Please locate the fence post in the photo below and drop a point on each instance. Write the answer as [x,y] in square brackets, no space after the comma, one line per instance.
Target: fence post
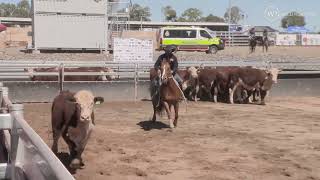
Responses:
[1,94]
[135,82]
[16,111]
[61,77]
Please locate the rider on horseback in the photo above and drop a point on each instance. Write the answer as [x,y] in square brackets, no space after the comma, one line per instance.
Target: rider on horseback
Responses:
[265,35]
[173,64]
[252,33]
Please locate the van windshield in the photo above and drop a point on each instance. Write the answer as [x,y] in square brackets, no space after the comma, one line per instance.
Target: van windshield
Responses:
[205,34]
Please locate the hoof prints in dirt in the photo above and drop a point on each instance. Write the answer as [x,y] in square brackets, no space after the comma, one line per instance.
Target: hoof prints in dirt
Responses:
[129,170]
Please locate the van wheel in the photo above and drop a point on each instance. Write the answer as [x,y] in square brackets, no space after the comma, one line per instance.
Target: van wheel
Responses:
[212,50]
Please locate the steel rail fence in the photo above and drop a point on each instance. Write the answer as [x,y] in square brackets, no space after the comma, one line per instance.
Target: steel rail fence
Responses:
[126,72]
[28,155]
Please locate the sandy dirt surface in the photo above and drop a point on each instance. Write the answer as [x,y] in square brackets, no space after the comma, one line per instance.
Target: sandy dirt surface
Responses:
[276,54]
[213,141]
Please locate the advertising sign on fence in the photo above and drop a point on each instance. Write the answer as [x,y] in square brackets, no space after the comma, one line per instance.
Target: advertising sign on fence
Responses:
[134,50]
[311,39]
[286,39]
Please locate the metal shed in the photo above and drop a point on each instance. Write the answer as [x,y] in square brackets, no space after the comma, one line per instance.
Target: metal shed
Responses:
[69,24]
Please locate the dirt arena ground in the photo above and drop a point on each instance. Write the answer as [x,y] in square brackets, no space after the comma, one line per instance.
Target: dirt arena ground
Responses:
[213,141]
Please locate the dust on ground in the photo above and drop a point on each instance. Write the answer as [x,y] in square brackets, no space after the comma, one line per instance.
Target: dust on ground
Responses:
[213,141]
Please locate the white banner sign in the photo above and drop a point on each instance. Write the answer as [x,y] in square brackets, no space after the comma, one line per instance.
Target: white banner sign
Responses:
[131,49]
[311,39]
[286,39]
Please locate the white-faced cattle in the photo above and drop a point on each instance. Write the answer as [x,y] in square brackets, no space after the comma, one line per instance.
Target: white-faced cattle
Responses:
[189,81]
[251,80]
[72,118]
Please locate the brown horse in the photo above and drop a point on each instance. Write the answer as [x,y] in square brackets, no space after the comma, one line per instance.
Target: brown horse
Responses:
[167,96]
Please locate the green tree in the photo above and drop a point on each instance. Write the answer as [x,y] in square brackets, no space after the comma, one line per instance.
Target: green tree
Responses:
[191,15]
[169,13]
[138,12]
[293,19]
[212,18]
[22,9]
[7,9]
[236,15]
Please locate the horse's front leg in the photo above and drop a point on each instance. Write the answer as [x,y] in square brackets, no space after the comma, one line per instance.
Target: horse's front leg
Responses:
[176,113]
[167,106]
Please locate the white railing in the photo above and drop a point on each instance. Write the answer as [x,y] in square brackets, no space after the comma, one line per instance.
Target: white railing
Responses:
[28,155]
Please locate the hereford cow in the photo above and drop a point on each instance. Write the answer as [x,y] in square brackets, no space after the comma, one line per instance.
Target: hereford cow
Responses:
[206,82]
[251,80]
[189,84]
[72,78]
[73,118]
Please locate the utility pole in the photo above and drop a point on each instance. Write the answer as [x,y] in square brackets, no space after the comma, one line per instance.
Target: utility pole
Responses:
[229,22]
[141,23]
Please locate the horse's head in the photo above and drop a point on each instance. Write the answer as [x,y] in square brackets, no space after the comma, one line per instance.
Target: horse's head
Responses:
[165,71]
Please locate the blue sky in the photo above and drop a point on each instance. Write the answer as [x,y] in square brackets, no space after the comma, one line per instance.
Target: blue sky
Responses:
[258,11]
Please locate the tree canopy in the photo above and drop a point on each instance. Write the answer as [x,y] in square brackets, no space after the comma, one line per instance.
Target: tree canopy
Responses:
[191,15]
[138,12]
[212,18]
[169,13]
[293,19]
[236,15]
[22,9]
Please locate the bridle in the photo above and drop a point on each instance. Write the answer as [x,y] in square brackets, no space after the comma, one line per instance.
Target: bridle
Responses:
[163,73]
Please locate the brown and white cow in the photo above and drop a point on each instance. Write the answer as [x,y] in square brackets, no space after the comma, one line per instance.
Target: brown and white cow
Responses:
[72,117]
[189,84]
[251,80]
[207,83]
[101,77]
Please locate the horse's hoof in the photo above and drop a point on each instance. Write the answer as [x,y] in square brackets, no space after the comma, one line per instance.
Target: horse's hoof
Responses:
[76,164]
[263,104]
[171,126]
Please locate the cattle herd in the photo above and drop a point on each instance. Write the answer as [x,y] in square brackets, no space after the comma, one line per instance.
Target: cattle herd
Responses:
[73,113]
[228,84]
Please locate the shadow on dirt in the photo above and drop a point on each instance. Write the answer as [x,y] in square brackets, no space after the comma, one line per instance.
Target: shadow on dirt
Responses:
[66,161]
[149,125]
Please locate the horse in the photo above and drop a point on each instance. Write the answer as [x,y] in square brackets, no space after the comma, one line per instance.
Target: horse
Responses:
[265,43]
[167,96]
[255,40]
[253,43]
